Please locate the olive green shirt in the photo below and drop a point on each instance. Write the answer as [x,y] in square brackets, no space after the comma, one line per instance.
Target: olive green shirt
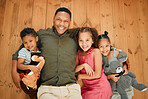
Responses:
[60,57]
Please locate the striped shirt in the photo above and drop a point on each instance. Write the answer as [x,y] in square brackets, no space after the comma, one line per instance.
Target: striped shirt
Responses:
[25,54]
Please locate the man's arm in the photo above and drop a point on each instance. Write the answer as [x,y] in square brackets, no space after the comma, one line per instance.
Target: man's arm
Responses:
[15,55]
[15,75]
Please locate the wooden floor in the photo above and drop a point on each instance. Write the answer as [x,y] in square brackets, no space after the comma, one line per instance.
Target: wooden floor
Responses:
[125,20]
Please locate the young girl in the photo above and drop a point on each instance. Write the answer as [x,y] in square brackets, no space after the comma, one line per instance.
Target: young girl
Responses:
[29,39]
[104,45]
[89,63]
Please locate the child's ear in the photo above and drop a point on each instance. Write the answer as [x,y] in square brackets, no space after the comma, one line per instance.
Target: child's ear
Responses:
[122,57]
[37,38]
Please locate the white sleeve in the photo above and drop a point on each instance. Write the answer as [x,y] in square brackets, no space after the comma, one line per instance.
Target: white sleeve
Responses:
[22,53]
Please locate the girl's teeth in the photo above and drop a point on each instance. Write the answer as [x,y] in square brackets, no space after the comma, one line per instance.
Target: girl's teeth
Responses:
[84,46]
[61,27]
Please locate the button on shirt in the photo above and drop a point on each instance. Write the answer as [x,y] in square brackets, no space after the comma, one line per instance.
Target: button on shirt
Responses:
[60,58]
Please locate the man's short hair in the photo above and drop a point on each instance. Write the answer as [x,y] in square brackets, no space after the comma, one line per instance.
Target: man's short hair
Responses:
[63,9]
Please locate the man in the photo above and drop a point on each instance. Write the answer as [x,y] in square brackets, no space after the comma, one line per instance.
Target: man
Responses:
[58,79]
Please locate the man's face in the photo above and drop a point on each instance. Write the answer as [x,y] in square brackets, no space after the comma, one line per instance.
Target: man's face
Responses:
[61,22]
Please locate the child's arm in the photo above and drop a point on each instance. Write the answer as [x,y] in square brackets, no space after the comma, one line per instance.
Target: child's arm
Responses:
[125,68]
[78,67]
[126,64]
[80,82]
[21,66]
[88,69]
[98,67]
[115,79]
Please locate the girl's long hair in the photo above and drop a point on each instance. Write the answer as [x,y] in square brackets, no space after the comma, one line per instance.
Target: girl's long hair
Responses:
[93,32]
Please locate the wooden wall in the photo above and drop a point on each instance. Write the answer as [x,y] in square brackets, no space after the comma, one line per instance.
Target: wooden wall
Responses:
[125,20]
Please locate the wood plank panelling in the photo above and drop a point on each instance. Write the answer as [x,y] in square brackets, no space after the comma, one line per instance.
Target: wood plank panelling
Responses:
[10,23]
[2,11]
[93,14]
[125,20]
[106,17]
[52,5]
[142,6]
[39,14]
[79,13]
[24,20]
[119,25]
[134,46]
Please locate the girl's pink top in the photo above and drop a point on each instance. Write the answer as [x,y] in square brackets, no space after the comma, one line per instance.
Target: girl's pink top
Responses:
[94,88]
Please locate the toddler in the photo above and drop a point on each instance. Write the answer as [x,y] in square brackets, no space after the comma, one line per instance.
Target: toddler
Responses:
[29,39]
[104,45]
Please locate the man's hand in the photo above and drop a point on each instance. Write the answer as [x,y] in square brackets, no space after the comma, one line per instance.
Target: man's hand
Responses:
[16,79]
[15,75]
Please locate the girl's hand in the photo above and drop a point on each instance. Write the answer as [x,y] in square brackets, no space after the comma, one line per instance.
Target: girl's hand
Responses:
[80,82]
[112,77]
[88,69]
[126,71]
[35,69]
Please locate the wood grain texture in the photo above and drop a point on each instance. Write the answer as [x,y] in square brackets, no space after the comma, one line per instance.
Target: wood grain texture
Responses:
[79,13]
[119,25]
[52,5]
[125,20]
[134,42]
[106,17]
[39,14]
[93,15]
[142,6]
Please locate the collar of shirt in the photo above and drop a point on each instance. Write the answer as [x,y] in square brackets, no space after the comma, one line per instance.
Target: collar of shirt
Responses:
[55,31]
